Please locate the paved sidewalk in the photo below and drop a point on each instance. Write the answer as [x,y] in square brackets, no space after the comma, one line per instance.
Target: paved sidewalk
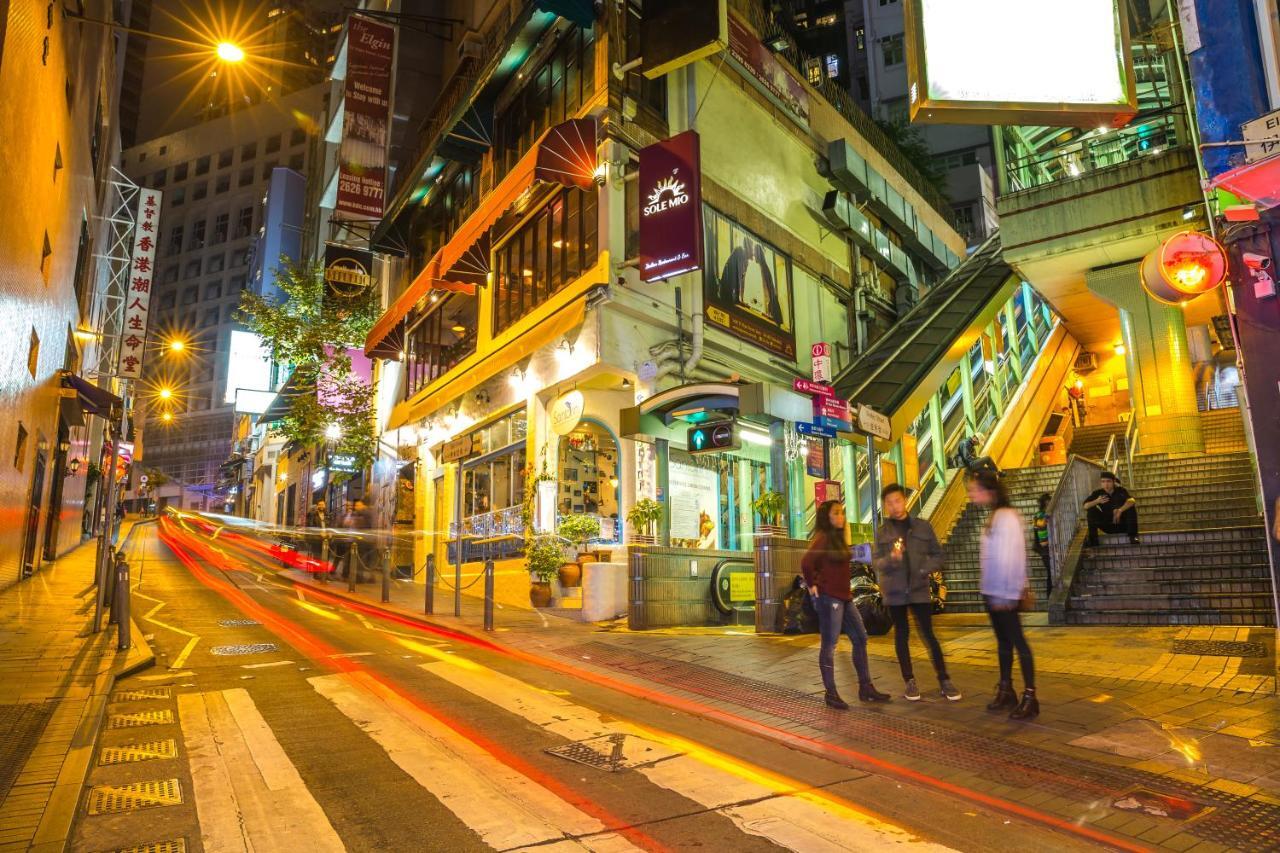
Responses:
[54,682]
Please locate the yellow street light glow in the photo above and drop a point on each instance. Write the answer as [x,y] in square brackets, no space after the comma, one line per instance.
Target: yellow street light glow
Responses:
[333,432]
[167,417]
[166,393]
[177,345]
[229,52]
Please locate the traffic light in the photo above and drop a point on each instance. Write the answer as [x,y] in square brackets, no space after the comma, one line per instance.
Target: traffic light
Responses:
[713,438]
[1183,267]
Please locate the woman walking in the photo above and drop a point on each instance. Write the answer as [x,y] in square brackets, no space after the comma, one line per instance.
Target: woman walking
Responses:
[1003,557]
[826,575]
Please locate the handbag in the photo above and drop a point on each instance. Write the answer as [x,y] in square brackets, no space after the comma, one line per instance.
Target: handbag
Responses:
[1027,602]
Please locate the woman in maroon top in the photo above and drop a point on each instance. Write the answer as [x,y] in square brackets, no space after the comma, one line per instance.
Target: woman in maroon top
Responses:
[826,575]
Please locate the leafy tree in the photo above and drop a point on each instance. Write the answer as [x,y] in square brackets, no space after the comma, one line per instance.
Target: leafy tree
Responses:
[312,328]
[914,148]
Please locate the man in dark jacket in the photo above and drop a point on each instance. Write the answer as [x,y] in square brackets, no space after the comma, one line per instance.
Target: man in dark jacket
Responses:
[907,552]
[1111,509]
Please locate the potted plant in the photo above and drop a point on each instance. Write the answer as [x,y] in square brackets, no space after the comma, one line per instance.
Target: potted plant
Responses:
[770,506]
[643,515]
[544,557]
[579,529]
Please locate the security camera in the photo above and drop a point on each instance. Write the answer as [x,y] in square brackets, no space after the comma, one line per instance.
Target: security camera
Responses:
[1257,262]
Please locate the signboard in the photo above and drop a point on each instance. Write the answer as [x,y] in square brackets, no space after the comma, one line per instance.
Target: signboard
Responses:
[124,458]
[713,438]
[742,586]
[1189,22]
[828,490]
[747,287]
[566,412]
[815,430]
[674,33]
[249,365]
[1264,134]
[459,448]
[815,459]
[1026,64]
[872,422]
[832,423]
[348,271]
[137,297]
[343,463]
[695,498]
[821,354]
[362,157]
[831,407]
[770,76]
[804,386]
[670,207]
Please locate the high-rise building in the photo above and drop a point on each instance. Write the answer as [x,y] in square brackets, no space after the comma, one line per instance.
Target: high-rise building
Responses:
[215,175]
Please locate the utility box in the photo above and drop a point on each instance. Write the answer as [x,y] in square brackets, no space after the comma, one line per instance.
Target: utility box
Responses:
[1056,439]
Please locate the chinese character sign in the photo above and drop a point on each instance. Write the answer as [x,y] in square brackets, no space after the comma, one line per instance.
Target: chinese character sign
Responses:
[137,297]
[362,159]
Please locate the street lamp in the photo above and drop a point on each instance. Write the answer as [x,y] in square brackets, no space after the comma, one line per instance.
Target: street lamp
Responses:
[333,432]
[166,393]
[229,52]
[225,51]
[177,345]
[167,417]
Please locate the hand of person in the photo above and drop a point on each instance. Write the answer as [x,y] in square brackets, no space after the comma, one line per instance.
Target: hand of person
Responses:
[1115,516]
[813,590]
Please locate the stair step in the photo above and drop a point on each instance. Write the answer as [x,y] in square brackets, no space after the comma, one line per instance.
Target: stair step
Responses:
[1156,616]
[1198,587]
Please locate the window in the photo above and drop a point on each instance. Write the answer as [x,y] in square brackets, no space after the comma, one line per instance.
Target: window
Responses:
[170,274]
[892,50]
[833,65]
[209,318]
[544,255]
[246,176]
[273,144]
[215,263]
[197,235]
[164,149]
[267,168]
[175,240]
[177,197]
[199,191]
[238,282]
[33,353]
[244,222]
[157,180]
[223,184]
[297,136]
[20,448]
[167,300]
[193,269]
[220,226]
[826,20]
[239,258]
[202,165]
[180,172]
[248,151]
[224,158]
[888,2]
[895,111]
[213,290]
[297,162]
[81,279]
[864,88]
[860,38]
[813,71]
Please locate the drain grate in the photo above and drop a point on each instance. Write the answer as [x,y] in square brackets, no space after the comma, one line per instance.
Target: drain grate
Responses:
[142,693]
[130,752]
[246,649]
[612,752]
[20,730]
[173,845]
[238,623]
[1219,648]
[113,799]
[140,718]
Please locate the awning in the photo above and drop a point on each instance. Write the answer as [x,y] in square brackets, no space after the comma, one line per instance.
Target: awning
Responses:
[283,400]
[86,398]
[1258,182]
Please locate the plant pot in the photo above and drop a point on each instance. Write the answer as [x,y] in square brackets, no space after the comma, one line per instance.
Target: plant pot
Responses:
[571,575]
[771,530]
[540,593]
[640,539]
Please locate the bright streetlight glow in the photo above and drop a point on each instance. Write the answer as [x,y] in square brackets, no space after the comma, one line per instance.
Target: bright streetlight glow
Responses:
[166,393]
[177,345]
[167,417]
[333,432]
[229,52]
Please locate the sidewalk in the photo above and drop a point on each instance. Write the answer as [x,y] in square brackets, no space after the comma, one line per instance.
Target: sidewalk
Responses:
[54,681]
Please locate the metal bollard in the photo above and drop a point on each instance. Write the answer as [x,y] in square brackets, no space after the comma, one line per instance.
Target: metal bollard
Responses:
[121,604]
[324,556]
[352,567]
[112,601]
[429,607]
[386,575]
[488,595]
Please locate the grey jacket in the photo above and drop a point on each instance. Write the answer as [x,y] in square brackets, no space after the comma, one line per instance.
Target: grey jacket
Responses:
[925,556]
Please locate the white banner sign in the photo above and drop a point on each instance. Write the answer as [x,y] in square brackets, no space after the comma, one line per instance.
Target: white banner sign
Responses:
[137,297]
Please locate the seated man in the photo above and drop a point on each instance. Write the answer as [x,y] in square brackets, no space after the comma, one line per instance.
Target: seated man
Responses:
[1112,510]
[967,452]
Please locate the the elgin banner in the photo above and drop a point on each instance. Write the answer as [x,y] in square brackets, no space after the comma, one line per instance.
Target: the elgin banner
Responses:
[362,166]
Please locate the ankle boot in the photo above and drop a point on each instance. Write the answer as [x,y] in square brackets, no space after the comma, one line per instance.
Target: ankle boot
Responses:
[1028,708]
[868,693]
[833,700]
[1005,697]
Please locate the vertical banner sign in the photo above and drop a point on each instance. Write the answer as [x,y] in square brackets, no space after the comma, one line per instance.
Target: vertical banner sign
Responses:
[670,207]
[362,158]
[137,298]
[821,353]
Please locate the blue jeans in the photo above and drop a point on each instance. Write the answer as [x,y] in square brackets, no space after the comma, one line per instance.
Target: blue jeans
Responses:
[836,617]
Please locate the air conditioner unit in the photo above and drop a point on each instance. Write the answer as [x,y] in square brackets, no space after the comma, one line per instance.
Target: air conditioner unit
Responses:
[905,296]
[1086,363]
[471,46]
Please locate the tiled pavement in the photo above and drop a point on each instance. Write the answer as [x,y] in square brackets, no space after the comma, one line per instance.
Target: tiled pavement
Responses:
[1129,728]
[54,681]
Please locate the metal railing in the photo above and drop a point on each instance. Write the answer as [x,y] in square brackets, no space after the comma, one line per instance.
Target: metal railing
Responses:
[1121,448]
[1066,510]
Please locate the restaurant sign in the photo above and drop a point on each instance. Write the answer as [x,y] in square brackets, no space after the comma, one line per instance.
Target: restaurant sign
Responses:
[137,301]
[348,271]
[566,413]
[670,207]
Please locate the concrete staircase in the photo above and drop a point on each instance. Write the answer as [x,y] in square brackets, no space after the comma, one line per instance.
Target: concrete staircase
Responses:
[1090,441]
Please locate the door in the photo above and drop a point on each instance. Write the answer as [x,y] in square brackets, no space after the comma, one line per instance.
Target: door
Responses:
[55,491]
[30,556]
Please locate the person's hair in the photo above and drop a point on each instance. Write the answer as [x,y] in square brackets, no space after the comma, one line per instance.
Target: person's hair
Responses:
[987,479]
[1107,475]
[890,489]
[1044,501]
[826,536]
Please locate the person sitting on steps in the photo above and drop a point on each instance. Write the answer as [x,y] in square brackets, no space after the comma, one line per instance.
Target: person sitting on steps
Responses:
[967,453]
[1112,510]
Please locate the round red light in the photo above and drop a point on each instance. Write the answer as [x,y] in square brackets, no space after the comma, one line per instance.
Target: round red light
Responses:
[1185,266]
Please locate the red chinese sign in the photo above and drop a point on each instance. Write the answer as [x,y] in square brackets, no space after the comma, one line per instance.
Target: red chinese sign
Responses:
[362,159]
[137,298]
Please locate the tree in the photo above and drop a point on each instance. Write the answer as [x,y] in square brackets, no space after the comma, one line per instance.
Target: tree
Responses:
[313,328]
[914,148]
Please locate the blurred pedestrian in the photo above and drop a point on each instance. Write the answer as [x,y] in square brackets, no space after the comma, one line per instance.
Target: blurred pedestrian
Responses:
[826,568]
[1002,555]
[907,554]
[1040,538]
[359,520]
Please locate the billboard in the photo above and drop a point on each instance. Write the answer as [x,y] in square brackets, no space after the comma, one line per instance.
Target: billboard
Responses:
[674,33]
[1019,62]
[249,365]
[137,296]
[362,157]
[670,207]
[747,287]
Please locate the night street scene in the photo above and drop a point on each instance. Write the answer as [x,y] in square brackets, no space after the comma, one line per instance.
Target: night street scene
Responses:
[639,425]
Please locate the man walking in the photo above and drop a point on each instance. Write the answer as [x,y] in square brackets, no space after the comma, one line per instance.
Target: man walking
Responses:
[1112,510]
[907,552]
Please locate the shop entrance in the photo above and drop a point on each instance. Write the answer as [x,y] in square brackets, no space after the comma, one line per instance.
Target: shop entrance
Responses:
[588,485]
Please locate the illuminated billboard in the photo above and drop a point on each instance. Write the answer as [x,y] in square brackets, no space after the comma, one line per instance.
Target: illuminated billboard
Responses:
[1038,62]
[249,366]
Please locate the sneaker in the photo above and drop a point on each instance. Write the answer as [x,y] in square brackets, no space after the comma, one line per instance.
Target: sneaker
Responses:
[949,690]
[912,693]
[833,700]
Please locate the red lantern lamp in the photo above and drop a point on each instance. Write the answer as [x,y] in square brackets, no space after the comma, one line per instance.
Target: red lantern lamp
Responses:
[1186,265]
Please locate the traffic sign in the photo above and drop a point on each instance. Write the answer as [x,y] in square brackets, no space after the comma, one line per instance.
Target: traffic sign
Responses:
[833,423]
[713,438]
[804,386]
[815,430]
[874,423]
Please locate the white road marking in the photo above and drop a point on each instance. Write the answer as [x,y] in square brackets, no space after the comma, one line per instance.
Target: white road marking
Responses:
[265,665]
[248,794]
[506,809]
[166,675]
[351,655]
[786,812]
[185,653]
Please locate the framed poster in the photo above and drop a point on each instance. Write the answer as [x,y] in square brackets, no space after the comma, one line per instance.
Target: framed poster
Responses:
[747,286]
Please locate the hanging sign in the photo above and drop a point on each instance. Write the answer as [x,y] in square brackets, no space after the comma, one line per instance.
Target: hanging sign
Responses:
[670,207]
[804,386]
[874,423]
[828,490]
[362,157]
[566,412]
[137,295]
[348,271]
[815,463]
[821,353]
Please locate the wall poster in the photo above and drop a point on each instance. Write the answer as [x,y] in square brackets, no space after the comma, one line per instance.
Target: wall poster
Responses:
[747,286]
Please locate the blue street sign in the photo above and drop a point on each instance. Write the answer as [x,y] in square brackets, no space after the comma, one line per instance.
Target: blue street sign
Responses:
[832,424]
[815,430]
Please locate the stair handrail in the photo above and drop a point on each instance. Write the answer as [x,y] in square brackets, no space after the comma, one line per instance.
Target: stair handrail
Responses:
[1066,511]
[1130,446]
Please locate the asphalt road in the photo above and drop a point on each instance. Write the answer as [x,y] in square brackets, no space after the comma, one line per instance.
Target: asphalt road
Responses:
[298,723]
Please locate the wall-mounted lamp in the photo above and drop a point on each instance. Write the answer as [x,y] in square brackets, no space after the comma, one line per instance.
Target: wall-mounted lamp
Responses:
[73,468]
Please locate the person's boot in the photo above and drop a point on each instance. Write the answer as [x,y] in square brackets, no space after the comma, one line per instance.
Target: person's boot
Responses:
[1028,708]
[833,700]
[868,693]
[1005,697]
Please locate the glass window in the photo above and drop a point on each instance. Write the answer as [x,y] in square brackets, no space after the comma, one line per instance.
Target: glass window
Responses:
[267,168]
[167,300]
[170,274]
[224,158]
[180,172]
[892,50]
[244,222]
[193,269]
[215,263]
[588,477]
[190,295]
[297,161]
[297,136]
[248,151]
[220,225]
[157,180]
[223,184]
[246,176]
[197,235]
[213,290]
[202,166]
[177,196]
[199,191]
[175,240]
[273,144]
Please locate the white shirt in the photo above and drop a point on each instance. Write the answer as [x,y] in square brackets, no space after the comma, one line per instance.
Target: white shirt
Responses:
[1002,553]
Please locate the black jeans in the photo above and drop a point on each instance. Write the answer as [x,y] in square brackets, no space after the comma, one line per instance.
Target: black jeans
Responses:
[1043,551]
[902,637]
[836,617]
[1100,518]
[1007,625]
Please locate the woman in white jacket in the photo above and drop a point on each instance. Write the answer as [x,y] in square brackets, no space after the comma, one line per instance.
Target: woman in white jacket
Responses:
[1003,556]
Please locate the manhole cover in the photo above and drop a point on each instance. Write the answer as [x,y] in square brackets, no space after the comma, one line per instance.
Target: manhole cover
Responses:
[130,752]
[142,693]
[111,799]
[1219,648]
[237,623]
[140,718]
[175,845]
[246,649]
[611,753]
